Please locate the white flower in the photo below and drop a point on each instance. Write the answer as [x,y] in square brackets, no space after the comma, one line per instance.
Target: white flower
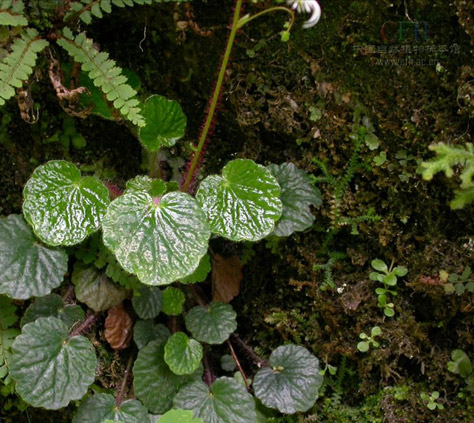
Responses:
[308,6]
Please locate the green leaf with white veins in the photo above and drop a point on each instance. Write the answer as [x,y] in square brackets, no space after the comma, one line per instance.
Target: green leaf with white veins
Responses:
[292,381]
[242,204]
[62,207]
[182,354]
[212,324]
[226,401]
[165,123]
[51,370]
[297,195]
[100,407]
[27,268]
[160,239]
[154,383]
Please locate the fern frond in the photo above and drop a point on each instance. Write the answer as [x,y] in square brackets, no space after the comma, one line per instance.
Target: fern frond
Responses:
[18,65]
[87,9]
[105,74]
[7,335]
[11,13]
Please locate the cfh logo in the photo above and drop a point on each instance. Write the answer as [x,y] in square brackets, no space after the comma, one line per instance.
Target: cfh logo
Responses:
[404,30]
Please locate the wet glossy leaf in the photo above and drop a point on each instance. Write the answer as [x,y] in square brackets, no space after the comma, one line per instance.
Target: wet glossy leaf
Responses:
[154,383]
[213,324]
[118,327]
[146,331]
[147,302]
[297,195]
[165,123]
[51,370]
[182,354]
[27,268]
[292,381]
[173,301]
[52,305]
[160,239]
[62,207]
[154,187]
[100,407]
[226,401]
[242,204]
[226,278]
[179,416]
[95,289]
[200,274]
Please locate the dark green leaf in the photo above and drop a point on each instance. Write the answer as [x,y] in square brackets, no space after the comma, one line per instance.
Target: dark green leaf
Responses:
[165,123]
[51,370]
[182,354]
[160,239]
[27,268]
[213,324]
[52,305]
[243,203]
[63,207]
[101,407]
[146,331]
[95,289]
[147,302]
[154,383]
[225,402]
[297,195]
[292,381]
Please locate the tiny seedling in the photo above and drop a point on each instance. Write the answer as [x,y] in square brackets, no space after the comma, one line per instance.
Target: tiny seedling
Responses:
[461,365]
[388,277]
[459,284]
[432,400]
[364,346]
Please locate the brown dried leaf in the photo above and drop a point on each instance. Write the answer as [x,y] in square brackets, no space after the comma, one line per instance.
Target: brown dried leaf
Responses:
[226,278]
[118,327]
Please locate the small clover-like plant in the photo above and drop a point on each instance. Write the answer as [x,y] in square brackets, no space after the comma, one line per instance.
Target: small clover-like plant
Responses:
[431,400]
[369,340]
[461,365]
[388,277]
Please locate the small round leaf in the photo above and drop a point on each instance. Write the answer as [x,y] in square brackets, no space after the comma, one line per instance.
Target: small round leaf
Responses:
[165,123]
[147,302]
[227,401]
[100,407]
[154,383]
[200,274]
[51,370]
[173,301]
[297,195]
[160,239]
[95,289]
[213,324]
[242,204]
[146,331]
[379,265]
[62,207]
[292,381]
[182,354]
[27,268]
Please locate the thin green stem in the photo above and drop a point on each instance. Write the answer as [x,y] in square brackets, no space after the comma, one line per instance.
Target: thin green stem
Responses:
[215,97]
[246,19]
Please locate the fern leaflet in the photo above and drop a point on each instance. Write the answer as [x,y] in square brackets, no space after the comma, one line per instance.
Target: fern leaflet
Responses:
[7,335]
[86,9]
[11,13]
[446,158]
[105,73]
[18,65]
